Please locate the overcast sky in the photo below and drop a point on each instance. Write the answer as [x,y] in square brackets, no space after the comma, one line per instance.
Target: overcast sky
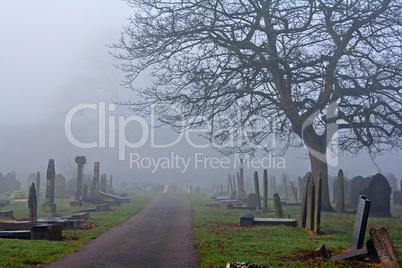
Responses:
[53,57]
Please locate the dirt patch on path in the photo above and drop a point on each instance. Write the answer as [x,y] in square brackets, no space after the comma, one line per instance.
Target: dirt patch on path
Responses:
[159,235]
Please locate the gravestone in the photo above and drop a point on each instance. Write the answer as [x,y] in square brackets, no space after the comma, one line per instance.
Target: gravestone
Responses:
[377,189]
[31,179]
[340,204]
[392,182]
[265,189]
[11,183]
[59,185]
[49,207]
[110,186]
[294,191]
[317,203]
[85,190]
[197,189]
[241,193]
[303,210]
[257,190]
[310,203]
[285,186]
[359,229]
[32,203]
[103,183]
[230,185]
[81,161]
[301,183]
[95,182]
[252,201]
[2,183]
[396,197]
[335,189]
[38,185]
[273,185]
[355,189]
[234,184]
[384,247]
[278,206]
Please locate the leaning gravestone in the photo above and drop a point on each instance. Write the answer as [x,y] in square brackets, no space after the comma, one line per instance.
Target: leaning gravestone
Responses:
[359,229]
[278,206]
[377,189]
[384,247]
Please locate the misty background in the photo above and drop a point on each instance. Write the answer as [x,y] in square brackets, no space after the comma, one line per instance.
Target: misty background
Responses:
[54,56]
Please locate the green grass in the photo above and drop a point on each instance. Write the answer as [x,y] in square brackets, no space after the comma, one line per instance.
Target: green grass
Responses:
[220,239]
[31,253]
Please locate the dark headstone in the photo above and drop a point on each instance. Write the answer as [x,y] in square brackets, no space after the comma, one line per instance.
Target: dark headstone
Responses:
[317,204]
[377,189]
[257,190]
[38,185]
[359,229]
[252,201]
[303,210]
[340,204]
[246,220]
[265,189]
[241,193]
[321,251]
[32,203]
[294,191]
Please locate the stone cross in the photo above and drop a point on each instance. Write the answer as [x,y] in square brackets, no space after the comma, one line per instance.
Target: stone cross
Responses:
[32,204]
[49,207]
[81,161]
[257,190]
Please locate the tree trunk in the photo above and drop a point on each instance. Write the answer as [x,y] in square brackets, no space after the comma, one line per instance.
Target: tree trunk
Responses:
[317,165]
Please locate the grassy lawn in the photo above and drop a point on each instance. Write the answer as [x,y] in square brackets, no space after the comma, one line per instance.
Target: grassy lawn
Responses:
[220,239]
[30,253]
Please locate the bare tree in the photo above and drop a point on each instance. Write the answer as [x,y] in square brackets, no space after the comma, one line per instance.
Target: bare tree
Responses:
[310,68]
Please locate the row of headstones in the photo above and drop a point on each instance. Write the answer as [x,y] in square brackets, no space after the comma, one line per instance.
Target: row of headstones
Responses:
[376,188]
[9,183]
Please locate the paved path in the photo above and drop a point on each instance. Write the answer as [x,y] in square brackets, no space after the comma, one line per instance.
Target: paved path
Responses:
[159,235]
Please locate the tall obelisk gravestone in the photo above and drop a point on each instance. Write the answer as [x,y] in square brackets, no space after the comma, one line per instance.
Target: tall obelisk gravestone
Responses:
[49,207]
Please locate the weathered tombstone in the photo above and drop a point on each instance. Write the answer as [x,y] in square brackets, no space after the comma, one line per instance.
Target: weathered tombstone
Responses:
[317,203]
[310,203]
[335,188]
[59,184]
[38,185]
[32,203]
[49,207]
[377,189]
[301,183]
[285,186]
[246,220]
[234,183]
[230,185]
[340,205]
[359,229]
[278,206]
[303,210]
[355,189]
[257,190]
[241,193]
[396,197]
[294,191]
[384,247]
[85,190]
[95,182]
[252,201]
[110,186]
[81,161]
[11,183]
[265,189]
[2,183]
[274,185]
[103,183]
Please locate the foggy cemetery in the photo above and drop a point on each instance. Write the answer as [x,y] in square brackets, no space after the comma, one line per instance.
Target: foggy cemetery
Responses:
[205,112]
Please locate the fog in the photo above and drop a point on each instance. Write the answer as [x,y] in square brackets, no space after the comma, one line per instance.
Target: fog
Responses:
[54,57]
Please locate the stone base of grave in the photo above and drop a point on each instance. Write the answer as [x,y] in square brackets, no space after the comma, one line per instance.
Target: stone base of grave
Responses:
[48,210]
[249,220]
[76,204]
[46,232]
[6,214]
[245,265]
[102,207]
